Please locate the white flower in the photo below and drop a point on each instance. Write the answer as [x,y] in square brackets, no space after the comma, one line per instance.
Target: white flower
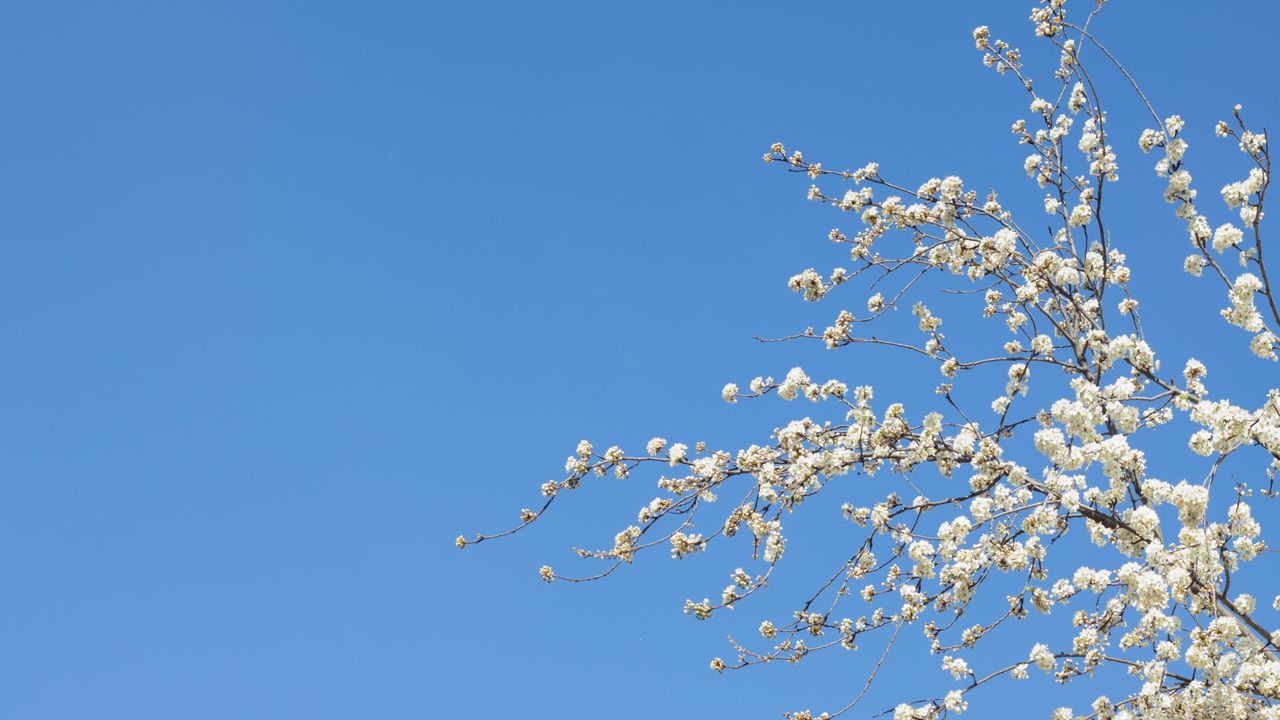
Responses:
[810,283]
[730,393]
[1042,657]
[906,712]
[956,666]
[981,36]
[682,544]
[1263,345]
[1149,139]
[1080,214]
[1078,98]
[1243,312]
[794,382]
[1226,236]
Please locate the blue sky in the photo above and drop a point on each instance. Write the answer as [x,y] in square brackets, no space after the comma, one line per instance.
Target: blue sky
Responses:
[296,292]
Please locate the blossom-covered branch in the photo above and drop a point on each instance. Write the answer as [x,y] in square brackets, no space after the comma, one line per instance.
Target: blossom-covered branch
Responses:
[974,498]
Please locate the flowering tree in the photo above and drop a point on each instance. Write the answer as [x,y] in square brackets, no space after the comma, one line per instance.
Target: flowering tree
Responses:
[977,494]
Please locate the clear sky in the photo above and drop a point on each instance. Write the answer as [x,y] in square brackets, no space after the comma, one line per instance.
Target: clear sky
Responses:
[295,292]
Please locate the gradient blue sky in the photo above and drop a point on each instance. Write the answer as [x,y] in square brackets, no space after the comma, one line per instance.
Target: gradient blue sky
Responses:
[295,292]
